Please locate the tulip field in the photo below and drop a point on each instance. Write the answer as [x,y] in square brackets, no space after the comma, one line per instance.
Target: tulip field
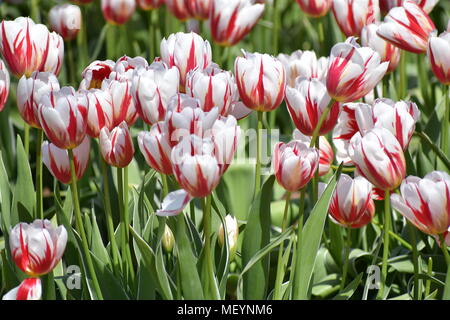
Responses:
[224,150]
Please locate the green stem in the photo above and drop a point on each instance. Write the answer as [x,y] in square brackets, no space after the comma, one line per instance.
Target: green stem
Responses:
[402,76]
[26,138]
[111,42]
[258,153]
[316,178]
[152,35]
[387,228]
[208,256]
[83,54]
[165,185]
[445,123]
[80,227]
[276,27]
[35,11]
[280,266]
[39,199]
[321,35]
[430,274]
[423,81]
[322,119]
[297,284]
[71,62]
[346,257]
[385,84]
[415,254]
[446,295]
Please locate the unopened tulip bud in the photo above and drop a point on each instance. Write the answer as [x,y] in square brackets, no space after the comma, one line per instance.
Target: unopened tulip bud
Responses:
[168,240]
[65,19]
[116,146]
[118,11]
[232,234]
[315,8]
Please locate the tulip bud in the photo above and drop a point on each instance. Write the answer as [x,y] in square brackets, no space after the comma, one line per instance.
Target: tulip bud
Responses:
[353,71]
[63,118]
[155,147]
[387,51]
[4,84]
[150,4]
[65,19]
[95,73]
[425,202]
[118,12]
[407,27]
[378,157]
[231,20]
[261,81]
[116,146]
[57,160]
[168,240]
[152,89]
[353,15]
[315,8]
[294,164]
[29,289]
[232,234]
[438,49]
[303,64]
[37,248]
[306,102]
[186,51]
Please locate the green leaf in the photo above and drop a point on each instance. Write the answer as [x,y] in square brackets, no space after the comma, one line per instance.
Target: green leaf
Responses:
[348,292]
[5,200]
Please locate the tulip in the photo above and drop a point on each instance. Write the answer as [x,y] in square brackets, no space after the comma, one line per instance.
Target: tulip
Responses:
[152,89]
[195,167]
[426,5]
[213,87]
[65,19]
[199,9]
[122,101]
[57,160]
[126,67]
[186,51]
[174,203]
[306,103]
[28,47]
[167,240]
[37,248]
[407,27]
[261,81]
[326,154]
[438,49]
[116,146]
[232,227]
[315,8]
[4,84]
[353,15]
[63,118]
[118,12]
[29,289]
[425,202]
[294,164]
[231,20]
[155,146]
[353,71]
[344,131]
[303,64]
[351,204]
[100,112]
[387,51]
[225,134]
[179,8]
[378,157]
[95,73]
[149,4]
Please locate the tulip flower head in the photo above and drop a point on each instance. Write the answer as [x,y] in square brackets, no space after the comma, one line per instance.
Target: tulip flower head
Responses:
[261,81]
[179,8]
[407,27]
[353,15]
[100,112]
[55,56]
[294,164]
[4,84]
[95,73]
[231,20]
[155,146]
[116,146]
[29,289]
[58,163]
[438,49]
[118,12]
[149,4]
[37,248]
[378,157]
[199,9]
[225,134]
[425,202]
[65,19]
[232,234]
[315,8]
[353,71]
[426,5]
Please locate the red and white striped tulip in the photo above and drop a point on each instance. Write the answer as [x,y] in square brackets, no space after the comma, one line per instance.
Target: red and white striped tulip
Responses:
[179,8]
[438,49]
[122,101]
[155,146]
[149,4]
[387,51]
[57,160]
[195,166]
[29,93]
[343,132]
[29,289]
[118,12]
[95,73]
[294,164]
[65,19]
[116,146]
[353,15]
[100,112]
[186,51]
[306,102]
[407,27]
[326,154]
[126,67]
[315,8]
[199,9]
[351,204]
[55,56]
[353,71]
[425,202]
[225,134]
[261,81]
[63,118]
[378,157]
[37,248]
[426,5]
[213,87]
[303,64]
[231,20]
[152,89]
[4,84]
